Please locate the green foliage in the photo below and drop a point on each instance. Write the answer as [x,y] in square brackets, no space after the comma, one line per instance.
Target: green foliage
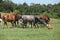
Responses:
[33,9]
[16,11]
[0,1]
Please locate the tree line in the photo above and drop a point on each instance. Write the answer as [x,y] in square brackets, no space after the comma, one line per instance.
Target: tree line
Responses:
[33,9]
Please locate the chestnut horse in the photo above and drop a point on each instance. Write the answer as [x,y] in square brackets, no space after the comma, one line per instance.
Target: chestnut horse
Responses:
[13,18]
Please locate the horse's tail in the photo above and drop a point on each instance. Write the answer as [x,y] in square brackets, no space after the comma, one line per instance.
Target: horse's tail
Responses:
[0,16]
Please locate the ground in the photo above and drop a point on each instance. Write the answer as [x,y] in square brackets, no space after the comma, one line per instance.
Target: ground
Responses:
[31,33]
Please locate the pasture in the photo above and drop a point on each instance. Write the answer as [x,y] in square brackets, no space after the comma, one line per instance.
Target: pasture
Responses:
[31,33]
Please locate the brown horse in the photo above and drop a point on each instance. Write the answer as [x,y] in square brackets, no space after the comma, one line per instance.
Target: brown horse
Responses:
[10,18]
[45,19]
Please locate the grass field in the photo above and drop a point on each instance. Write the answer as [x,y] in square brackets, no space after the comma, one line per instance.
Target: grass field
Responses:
[31,33]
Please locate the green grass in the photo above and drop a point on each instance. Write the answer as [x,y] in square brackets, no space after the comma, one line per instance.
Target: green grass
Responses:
[31,33]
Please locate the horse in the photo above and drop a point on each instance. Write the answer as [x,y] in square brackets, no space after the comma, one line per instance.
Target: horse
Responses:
[28,19]
[44,20]
[13,18]
[32,19]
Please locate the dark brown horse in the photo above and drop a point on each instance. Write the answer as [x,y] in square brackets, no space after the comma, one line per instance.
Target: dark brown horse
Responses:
[13,18]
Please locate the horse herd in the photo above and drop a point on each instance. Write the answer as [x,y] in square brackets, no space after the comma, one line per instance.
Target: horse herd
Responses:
[23,20]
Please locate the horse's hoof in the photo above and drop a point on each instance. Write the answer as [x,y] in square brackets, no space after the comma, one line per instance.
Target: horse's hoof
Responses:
[49,27]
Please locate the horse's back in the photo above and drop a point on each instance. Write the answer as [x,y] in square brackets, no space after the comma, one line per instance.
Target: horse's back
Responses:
[29,17]
[44,17]
[7,16]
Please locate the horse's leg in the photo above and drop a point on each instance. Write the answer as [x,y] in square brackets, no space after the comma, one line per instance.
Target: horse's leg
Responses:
[35,24]
[25,24]
[12,22]
[31,24]
[15,23]
[48,26]
[5,23]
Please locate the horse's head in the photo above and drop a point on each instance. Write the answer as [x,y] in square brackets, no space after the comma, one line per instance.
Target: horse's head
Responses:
[17,16]
[46,18]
